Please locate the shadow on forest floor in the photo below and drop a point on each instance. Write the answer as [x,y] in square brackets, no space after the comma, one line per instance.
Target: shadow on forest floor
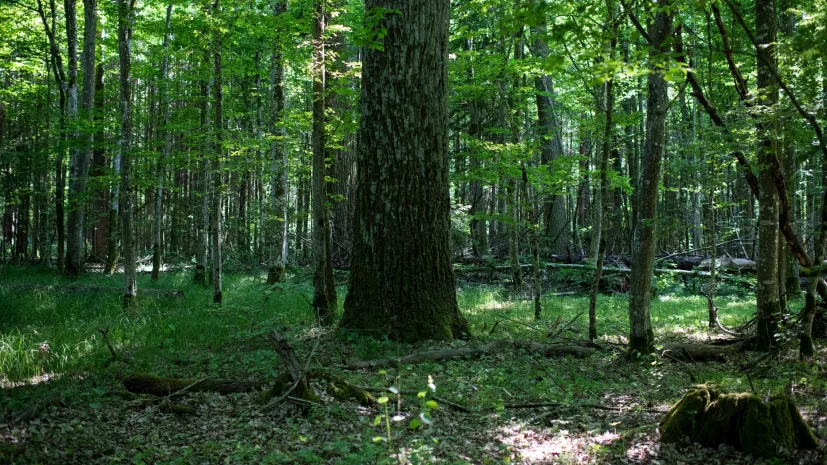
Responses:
[50,344]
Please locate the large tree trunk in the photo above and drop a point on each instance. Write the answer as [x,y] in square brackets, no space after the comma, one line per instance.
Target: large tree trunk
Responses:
[767,290]
[277,219]
[641,337]
[402,283]
[217,175]
[163,91]
[130,295]
[324,295]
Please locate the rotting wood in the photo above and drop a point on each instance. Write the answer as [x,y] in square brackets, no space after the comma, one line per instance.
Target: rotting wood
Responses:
[157,386]
[36,409]
[167,293]
[491,348]
[699,352]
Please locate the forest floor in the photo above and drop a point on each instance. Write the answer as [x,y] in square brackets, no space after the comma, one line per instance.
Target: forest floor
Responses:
[50,344]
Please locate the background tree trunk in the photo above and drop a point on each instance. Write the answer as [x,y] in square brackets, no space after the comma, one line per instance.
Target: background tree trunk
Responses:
[163,91]
[324,295]
[130,295]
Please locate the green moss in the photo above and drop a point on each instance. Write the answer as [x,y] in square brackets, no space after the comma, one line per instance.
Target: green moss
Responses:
[743,420]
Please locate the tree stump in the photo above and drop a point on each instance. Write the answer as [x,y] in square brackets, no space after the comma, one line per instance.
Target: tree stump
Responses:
[743,420]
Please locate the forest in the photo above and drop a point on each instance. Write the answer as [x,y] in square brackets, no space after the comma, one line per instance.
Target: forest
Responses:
[413,231]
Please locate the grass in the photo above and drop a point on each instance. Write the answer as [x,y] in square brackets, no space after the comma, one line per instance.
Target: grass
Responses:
[193,338]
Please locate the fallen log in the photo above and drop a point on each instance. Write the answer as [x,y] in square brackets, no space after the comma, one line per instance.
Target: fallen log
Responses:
[590,267]
[36,409]
[491,348]
[157,386]
[165,293]
[743,420]
[699,352]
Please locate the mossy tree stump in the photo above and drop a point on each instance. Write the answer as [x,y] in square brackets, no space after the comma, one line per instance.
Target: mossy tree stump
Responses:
[743,420]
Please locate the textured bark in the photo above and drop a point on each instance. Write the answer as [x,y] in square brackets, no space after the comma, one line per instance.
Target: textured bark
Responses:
[324,295]
[767,291]
[163,97]
[641,337]
[130,294]
[217,175]
[554,206]
[402,283]
[277,219]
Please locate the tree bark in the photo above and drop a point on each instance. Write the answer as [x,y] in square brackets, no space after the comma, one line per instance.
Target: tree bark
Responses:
[130,295]
[767,291]
[641,336]
[324,295]
[217,175]
[278,221]
[202,245]
[163,97]
[402,283]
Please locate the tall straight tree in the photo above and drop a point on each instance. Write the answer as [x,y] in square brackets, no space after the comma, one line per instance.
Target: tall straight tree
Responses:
[202,245]
[277,219]
[163,90]
[218,186]
[767,290]
[82,150]
[641,336]
[70,12]
[130,294]
[402,283]
[324,295]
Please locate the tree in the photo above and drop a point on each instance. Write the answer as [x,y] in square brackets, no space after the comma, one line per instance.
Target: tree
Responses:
[217,175]
[324,295]
[159,188]
[277,219]
[641,336]
[402,283]
[130,295]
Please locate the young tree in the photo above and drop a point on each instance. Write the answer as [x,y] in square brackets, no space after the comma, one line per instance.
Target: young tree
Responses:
[130,295]
[217,175]
[402,283]
[277,218]
[641,336]
[163,90]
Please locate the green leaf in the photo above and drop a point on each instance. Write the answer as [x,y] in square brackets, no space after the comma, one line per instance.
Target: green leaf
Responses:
[431,404]
[382,400]
[416,423]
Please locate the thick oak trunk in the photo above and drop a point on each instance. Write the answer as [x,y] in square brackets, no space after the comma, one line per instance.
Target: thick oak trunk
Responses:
[402,283]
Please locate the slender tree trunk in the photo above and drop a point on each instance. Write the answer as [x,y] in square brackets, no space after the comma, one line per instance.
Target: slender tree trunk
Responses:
[202,241]
[130,295]
[70,11]
[402,283]
[641,337]
[601,223]
[217,175]
[324,295]
[277,219]
[163,97]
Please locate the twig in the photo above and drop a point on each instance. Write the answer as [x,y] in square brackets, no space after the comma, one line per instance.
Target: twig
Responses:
[565,327]
[411,392]
[519,322]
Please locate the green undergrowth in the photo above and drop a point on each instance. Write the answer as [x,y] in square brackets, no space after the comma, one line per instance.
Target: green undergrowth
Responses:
[44,334]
